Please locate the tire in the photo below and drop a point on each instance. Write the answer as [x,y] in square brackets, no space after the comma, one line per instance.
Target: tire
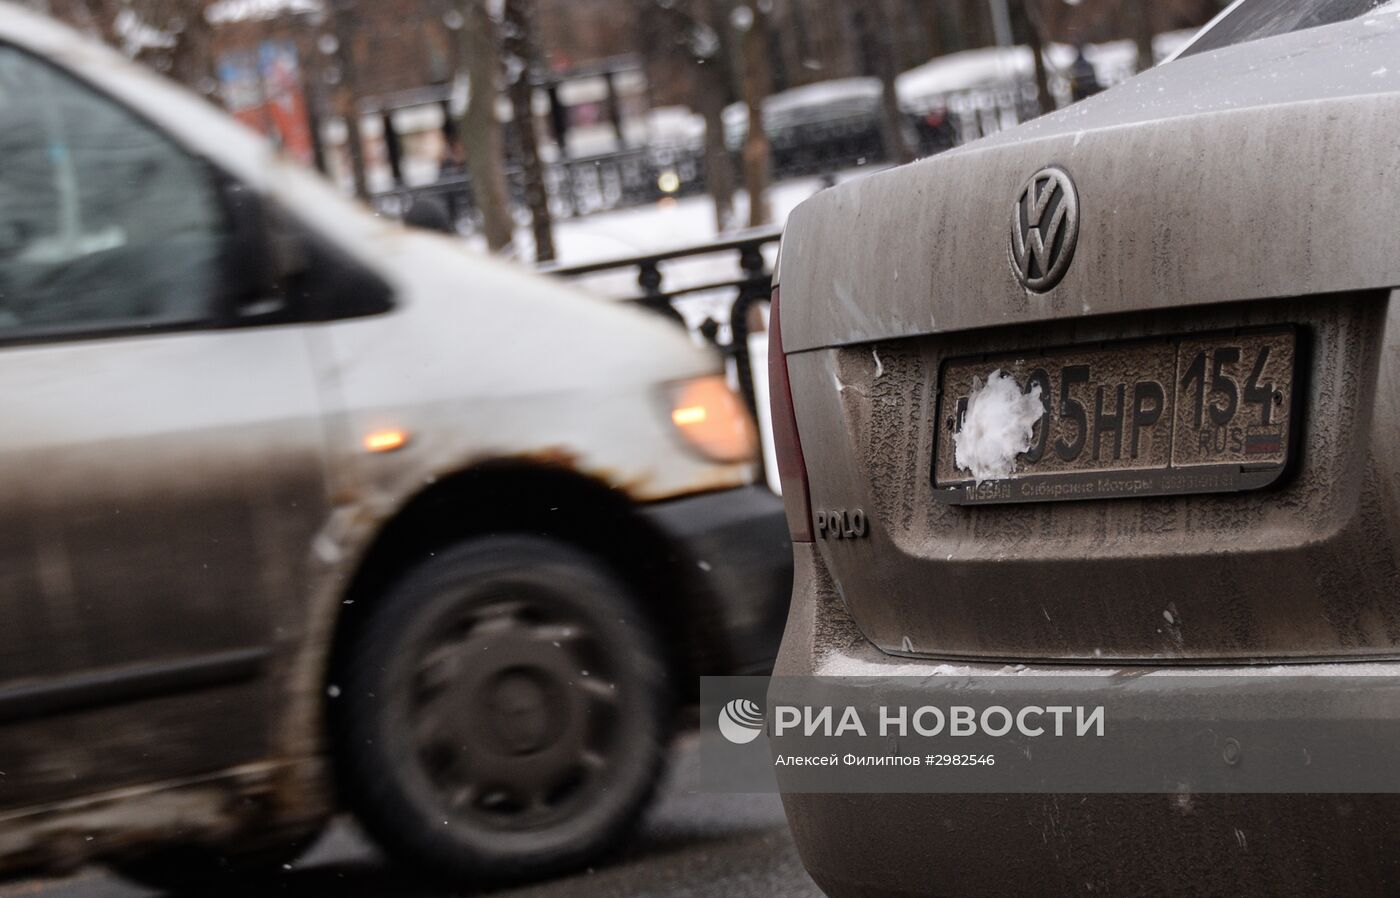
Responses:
[503,713]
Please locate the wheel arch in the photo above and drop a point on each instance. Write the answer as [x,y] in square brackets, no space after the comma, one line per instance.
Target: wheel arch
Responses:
[551,500]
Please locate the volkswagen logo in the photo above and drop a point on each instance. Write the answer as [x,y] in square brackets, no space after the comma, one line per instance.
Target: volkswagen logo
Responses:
[1044,229]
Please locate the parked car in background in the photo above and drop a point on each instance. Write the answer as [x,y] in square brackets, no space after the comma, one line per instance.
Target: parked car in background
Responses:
[306,511]
[818,128]
[1115,390]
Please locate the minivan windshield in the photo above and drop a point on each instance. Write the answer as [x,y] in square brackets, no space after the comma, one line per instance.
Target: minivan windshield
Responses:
[1249,20]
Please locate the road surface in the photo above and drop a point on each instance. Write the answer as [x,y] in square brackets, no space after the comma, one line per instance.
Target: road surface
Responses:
[693,845]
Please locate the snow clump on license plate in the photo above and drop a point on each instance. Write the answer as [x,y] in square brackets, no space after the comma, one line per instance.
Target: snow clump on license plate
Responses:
[998,426]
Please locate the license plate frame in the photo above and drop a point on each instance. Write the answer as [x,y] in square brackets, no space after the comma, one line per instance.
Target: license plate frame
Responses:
[1220,466]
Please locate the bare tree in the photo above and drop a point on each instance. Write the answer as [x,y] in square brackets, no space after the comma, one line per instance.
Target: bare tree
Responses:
[973,21]
[710,97]
[171,36]
[481,129]
[347,26]
[518,51]
[183,45]
[1139,19]
[1035,37]
[878,23]
[698,30]
[192,61]
[754,22]
[93,16]
[714,54]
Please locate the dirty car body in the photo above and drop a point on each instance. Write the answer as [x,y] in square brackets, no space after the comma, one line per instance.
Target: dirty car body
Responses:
[1228,202]
[285,407]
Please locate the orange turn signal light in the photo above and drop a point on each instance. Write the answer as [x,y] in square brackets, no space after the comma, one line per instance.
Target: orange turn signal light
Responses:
[713,420]
[385,440]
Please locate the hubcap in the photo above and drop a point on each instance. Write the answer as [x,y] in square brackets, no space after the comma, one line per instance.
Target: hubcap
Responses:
[525,714]
[512,711]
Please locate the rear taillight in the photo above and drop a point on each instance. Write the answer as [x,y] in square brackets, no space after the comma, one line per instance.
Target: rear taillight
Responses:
[792,469]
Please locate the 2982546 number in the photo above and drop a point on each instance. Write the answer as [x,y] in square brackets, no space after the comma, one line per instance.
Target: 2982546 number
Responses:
[963,760]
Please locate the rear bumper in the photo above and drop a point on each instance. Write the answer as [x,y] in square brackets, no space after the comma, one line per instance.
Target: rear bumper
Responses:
[857,845]
[732,547]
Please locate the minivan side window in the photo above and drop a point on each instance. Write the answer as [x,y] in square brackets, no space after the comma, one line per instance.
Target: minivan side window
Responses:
[105,224]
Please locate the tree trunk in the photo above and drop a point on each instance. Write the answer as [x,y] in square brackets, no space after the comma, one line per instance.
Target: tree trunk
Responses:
[1036,38]
[757,83]
[104,14]
[481,130]
[313,79]
[719,167]
[192,58]
[717,14]
[1139,13]
[714,89]
[881,24]
[518,45]
[977,23]
[345,20]
[933,32]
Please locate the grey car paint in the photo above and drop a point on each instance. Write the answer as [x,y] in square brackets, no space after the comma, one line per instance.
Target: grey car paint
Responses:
[109,532]
[1197,213]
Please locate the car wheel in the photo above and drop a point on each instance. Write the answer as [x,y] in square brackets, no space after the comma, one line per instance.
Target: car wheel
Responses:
[502,712]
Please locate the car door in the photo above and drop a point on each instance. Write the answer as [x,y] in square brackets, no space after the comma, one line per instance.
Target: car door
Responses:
[161,460]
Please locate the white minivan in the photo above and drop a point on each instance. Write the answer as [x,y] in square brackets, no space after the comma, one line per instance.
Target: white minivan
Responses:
[301,510]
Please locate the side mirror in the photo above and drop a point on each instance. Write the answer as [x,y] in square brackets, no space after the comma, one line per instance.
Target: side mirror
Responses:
[267,250]
[279,269]
[430,213]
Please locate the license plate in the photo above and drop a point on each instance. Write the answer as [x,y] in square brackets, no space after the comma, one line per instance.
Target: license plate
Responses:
[1199,413]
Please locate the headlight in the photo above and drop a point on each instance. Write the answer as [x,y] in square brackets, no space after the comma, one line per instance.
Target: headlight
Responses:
[712,419]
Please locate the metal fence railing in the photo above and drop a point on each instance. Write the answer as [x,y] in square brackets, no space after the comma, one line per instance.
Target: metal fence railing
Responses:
[576,186]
